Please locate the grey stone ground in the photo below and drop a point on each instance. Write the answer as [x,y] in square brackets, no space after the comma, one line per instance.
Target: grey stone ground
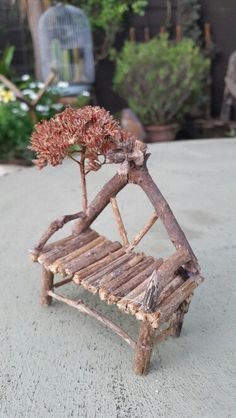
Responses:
[58,363]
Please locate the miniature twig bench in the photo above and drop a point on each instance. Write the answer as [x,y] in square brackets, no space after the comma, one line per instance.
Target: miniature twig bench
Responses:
[156,291]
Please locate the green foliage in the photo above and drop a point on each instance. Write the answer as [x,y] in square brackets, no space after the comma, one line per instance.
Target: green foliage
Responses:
[188,16]
[6,60]
[16,124]
[106,18]
[15,129]
[160,80]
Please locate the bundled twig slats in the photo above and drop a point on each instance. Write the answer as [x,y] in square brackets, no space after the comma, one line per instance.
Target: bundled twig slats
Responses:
[120,277]
[91,256]
[60,251]
[97,266]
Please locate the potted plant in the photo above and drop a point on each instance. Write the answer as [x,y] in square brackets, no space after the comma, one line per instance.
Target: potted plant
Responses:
[161,80]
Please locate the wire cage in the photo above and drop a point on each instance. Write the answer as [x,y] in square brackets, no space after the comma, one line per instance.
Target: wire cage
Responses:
[66,44]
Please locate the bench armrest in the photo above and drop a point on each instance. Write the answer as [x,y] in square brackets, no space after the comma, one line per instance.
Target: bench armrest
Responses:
[53,227]
[161,277]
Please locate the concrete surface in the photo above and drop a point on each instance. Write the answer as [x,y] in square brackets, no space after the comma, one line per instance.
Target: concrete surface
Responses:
[8,169]
[58,363]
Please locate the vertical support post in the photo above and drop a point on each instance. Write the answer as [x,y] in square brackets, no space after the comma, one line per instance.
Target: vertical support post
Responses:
[183,309]
[143,348]
[47,284]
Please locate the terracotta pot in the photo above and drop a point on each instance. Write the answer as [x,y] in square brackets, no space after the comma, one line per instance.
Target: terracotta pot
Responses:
[161,133]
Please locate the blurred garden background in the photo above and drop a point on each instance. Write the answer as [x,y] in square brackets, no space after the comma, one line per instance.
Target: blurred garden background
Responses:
[159,66]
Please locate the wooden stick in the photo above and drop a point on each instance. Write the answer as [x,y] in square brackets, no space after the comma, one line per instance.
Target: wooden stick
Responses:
[111,188]
[143,349]
[131,284]
[53,227]
[83,181]
[163,211]
[162,336]
[143,232]
[112,270]
[119,221]
[57,253]
[47,284]
[57,244]
[130,260]
[161,277]
[129,274]
[97,266]
[60,264]
[14,89]
[47,83]
[178,33]
[92,312]
[132,34]
[146,34]
[62,282]
[97,253]
[207,36]
[170,288]
[175,299]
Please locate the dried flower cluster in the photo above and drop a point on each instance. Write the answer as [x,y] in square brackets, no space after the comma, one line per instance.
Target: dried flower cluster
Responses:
[91,128]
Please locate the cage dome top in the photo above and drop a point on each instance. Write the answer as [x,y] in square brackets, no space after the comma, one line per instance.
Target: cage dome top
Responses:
[66,44]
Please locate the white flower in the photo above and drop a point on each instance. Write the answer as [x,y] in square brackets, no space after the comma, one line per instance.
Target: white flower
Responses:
[25,77]
[62,84]
[24,107]
[42,109]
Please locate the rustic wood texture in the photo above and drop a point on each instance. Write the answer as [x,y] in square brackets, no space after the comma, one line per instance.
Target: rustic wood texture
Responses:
[101,318]
[119,221]
[143,348]
[58,252]
[97,266]
[154,290]
[95,282]
[136,240]
[60,264]
[133,282]
[161,277]
[95,254]
[47,284]
[53,227]
[141,177]
[109,190]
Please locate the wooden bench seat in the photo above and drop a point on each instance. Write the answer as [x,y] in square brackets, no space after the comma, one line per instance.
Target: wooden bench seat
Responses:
[118,275]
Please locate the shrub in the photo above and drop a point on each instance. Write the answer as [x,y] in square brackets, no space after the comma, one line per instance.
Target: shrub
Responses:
[161,80]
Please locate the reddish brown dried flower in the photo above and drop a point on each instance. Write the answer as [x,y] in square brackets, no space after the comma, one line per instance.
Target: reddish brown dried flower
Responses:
[91,127]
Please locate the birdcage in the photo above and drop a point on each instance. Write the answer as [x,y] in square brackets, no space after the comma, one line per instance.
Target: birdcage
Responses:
[66,44]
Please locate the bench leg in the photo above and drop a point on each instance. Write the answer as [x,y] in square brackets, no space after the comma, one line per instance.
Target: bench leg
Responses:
[183,309]
[47,284]
[143,348]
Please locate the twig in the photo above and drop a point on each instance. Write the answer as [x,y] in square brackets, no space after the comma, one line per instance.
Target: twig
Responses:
[83,181]
[119,221]
[143,232]
[53,227]
[85,309]
[41,92]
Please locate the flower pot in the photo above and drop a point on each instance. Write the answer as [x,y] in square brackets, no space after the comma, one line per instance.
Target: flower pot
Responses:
[161,133]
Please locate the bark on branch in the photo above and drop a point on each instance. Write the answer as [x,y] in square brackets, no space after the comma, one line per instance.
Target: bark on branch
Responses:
[141,177]
[53,227]
[161,277]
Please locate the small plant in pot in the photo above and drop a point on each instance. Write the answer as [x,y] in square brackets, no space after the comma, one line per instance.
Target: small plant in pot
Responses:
[161,81]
